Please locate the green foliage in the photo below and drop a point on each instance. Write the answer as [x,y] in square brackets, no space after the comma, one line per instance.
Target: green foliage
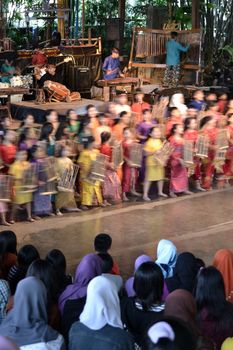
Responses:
[229,50]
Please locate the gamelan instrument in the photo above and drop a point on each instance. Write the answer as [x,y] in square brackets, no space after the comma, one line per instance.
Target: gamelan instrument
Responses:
[117,155]
[135,155]
[98,169]
[202,146]
[161,157]
[6,183]
[68,179]
[59,92]
[28,183]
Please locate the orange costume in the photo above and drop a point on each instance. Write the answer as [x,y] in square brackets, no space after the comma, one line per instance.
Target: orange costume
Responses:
[138,108]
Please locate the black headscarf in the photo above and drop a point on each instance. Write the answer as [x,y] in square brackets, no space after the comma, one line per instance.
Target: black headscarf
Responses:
[185,273]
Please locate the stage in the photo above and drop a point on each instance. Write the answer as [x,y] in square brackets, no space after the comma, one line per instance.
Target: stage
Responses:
[20,109]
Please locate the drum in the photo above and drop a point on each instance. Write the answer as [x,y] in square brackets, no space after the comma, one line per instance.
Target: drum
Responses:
[58,91]
[68,179]
[135,155]
[29,182]
[98,166]
[6,183]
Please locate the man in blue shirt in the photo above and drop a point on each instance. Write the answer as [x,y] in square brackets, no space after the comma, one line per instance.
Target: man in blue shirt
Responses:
[111,66]
[173,49]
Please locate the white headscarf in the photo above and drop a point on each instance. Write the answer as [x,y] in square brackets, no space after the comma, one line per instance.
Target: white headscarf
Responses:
[102,305]
[176,102]
[166,255]
[161,330]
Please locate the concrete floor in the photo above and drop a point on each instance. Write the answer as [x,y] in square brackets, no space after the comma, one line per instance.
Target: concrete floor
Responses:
[201,223]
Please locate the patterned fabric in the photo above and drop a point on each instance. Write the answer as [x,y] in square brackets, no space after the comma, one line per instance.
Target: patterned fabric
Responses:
[4,297]
[172,76]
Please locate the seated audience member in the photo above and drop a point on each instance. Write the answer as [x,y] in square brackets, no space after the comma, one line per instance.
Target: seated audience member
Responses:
[58,261]
[107,271]
[130,282]
[27,324]
[181,304]
[215,313]
[185,272]
[223,261]
[100,325]
[198,101]
[170,334]
[8,252]
[4,298]
[166,257]
[140,312]
[7,344]
[102,244]
[227,344]
[89,267]
[27,254]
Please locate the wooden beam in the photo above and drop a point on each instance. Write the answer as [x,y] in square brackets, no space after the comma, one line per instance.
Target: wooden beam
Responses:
[163,66]
[195,14]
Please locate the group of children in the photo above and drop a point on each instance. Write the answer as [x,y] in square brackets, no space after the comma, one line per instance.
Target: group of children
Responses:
[139,145]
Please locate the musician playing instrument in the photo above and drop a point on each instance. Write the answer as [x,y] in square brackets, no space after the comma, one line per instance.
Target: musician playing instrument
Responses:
[111,66]
[154,171]
[50,75]
[173,50]
[179,173]
[39,58]
[90,191]
[8,70]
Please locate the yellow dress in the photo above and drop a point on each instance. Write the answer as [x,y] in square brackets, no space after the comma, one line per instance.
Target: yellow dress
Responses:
[17,170]
[154,172]
[89,191]
[64,199]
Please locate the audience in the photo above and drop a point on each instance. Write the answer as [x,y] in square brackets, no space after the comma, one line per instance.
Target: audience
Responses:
[190,309]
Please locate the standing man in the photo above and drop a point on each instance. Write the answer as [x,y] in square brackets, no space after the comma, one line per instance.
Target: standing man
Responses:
[111,66]
[173,49]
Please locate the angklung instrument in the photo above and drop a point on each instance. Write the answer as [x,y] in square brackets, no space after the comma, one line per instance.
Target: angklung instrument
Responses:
[29,182]
[221,149]
[135,155]
[117,155]
[6,185]
[47,177]
[98,169]
[188,153]
[202,146]
[68,179]
[161,157]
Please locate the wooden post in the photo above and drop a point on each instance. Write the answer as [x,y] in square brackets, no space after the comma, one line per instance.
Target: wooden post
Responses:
[196,14]
[61,19]
[121,14]
[83,19]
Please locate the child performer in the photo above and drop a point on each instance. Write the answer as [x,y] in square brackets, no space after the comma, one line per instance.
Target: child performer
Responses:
[3,205]
[154,171]
[111,187]
[130,173]
[179,173]
[90,190]
[228,166]
[19,198]
[8,150]
[191,134]
[208,128]
[73,123]
[64,199]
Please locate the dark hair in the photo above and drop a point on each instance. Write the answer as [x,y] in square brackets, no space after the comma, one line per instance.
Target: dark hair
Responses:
[60,130]
[204,121]
[107,262]
[89,106]
[49,111]
[8,242]
[27,254]
[115,49]
[184,337]
[105,136]
[87,140]
[148,284]
[173,129]
[68,112]
[84,123]
[187,122]
[43,270]
[57,259]
[24,119]
[211,104]
[147,110]
[23,136]
[102,243]
[123,113]
[174,35]
[46,130]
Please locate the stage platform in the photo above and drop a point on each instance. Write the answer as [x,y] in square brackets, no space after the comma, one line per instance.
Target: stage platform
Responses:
[20,109]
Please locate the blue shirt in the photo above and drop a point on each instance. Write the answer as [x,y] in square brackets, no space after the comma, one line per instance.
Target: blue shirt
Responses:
[174,49]
[198,105]
[113,64]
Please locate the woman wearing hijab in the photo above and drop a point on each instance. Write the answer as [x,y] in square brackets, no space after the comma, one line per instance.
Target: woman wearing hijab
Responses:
[177,100]
[166,257]
[227,344]
[26,324]
[129,283]
[185,273]
[100,325]
[7,344]
[223,261]
[4,298]
[143,310]
[89,267]
[215,313]
[182,304]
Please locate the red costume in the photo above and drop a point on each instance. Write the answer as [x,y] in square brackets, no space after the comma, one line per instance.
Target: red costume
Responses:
[138,108]
[179,174]
[228,166]
[192,135]
[128,172]
[208,163]
[7,154]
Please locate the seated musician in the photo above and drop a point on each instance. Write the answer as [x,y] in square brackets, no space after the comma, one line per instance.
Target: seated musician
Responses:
[111,66]
[8,70]
[50,75]
[39,58]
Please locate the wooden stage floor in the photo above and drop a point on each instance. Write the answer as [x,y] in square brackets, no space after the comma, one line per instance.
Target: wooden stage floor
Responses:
[19,109]
[201,223]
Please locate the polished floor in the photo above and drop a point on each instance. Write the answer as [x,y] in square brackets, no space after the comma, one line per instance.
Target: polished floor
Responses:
[201,223]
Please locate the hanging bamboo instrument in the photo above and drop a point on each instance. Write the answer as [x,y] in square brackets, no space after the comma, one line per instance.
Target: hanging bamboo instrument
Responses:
[202,146]
[161,157]
[135,155]
[98,169]
[221,149]
[68,179]
[117,155]
[6,183]
[29,182]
